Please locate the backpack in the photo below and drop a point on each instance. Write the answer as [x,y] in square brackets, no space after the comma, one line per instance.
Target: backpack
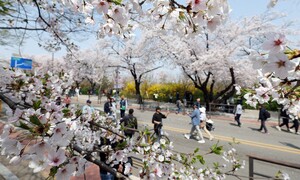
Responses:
[130,123]
[267,114]
[123,104]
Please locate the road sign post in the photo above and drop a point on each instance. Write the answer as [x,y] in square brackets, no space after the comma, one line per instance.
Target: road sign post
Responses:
[21,63]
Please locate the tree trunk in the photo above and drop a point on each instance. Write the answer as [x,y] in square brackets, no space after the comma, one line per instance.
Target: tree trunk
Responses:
[138,91]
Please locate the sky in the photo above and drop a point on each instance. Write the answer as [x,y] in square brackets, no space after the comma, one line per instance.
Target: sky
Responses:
[240,9]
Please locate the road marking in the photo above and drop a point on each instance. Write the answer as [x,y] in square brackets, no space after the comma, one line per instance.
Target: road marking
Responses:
[241,141]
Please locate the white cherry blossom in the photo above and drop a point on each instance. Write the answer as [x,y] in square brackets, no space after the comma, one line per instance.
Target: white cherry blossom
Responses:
[56,157]
[38,163]
[101,6]
[198,5]
[275,42]
[65,172]
[279,64]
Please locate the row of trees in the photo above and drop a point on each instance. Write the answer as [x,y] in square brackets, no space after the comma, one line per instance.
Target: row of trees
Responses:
[215,61]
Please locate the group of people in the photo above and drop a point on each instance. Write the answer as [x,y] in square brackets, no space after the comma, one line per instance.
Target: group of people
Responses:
[199,120]
[110,107]
[264,115]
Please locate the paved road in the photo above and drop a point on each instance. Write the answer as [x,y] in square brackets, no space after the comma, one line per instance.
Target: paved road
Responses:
[278,146]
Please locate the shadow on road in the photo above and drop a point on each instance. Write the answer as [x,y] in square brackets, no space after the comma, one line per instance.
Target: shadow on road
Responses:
[233,124]
[290,145]
[254,129]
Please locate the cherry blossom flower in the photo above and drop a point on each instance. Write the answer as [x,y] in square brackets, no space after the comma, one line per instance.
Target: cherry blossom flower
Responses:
[101,6]
[7,129]
[82,165]
[17,114]
[16,160]
[250,99]
[161,158]
[65,172]
[198,5]
[157,171]
[40,148]
[279,64]
[118,14]
[89,20]
[38,163]
[56,157]
[52,107]
[238,89]
[263,95]
[10,146]
[213,23]
[274,42]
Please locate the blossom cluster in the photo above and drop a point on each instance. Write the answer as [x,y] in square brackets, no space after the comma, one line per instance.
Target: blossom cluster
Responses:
[279,75]
[119,17]
[61,139]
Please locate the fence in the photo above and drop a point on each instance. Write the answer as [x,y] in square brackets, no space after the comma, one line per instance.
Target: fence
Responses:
[251,164]
[221,107]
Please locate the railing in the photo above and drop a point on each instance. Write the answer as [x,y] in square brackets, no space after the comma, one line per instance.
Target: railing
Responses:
[282,163]
[221,108]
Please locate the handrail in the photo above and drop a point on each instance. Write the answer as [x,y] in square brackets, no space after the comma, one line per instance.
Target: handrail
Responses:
[282,163]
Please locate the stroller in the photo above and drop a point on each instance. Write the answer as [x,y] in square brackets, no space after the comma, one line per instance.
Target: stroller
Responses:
[210,125]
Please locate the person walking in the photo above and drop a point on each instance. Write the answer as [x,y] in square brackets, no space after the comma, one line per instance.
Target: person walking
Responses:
[77,90]
[238,113]
[263,116]
[88,108]
[195,117]
[113,108]
[285,120]
[123,106]
[67,101]
[179,106]
[203,120]
[296,123]
[107,107]
[129,121]
[198,102]
[157,120]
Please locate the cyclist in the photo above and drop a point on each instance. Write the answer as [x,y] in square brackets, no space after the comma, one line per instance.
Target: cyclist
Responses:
[157,120]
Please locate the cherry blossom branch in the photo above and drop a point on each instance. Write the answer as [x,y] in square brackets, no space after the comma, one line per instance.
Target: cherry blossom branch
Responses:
[13,105]
[101,164]
[102,127]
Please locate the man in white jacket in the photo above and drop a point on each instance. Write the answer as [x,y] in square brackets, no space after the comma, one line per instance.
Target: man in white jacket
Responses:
[238,113]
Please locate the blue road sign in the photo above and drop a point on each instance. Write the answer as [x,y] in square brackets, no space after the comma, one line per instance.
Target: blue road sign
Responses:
[21,63]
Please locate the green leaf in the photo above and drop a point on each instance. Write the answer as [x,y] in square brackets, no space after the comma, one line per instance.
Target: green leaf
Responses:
[53,171]
[117,2]
[78,112]
[193,161]
[196,150]
[200,159]
[216,149]
[216,165]
[37,104]
[24,126]
[35,120]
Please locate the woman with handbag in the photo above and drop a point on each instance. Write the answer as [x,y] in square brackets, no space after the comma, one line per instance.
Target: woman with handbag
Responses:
[203,120]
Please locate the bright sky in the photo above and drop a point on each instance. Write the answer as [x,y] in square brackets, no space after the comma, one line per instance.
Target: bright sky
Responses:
[240,9]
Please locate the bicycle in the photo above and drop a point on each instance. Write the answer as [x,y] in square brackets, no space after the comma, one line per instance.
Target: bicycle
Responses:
[149,137]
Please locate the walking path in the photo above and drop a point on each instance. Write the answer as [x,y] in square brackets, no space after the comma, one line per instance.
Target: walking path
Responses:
[22,171]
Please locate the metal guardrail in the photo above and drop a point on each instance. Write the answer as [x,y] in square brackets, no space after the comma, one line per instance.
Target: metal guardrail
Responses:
[282,163]
[221,108]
